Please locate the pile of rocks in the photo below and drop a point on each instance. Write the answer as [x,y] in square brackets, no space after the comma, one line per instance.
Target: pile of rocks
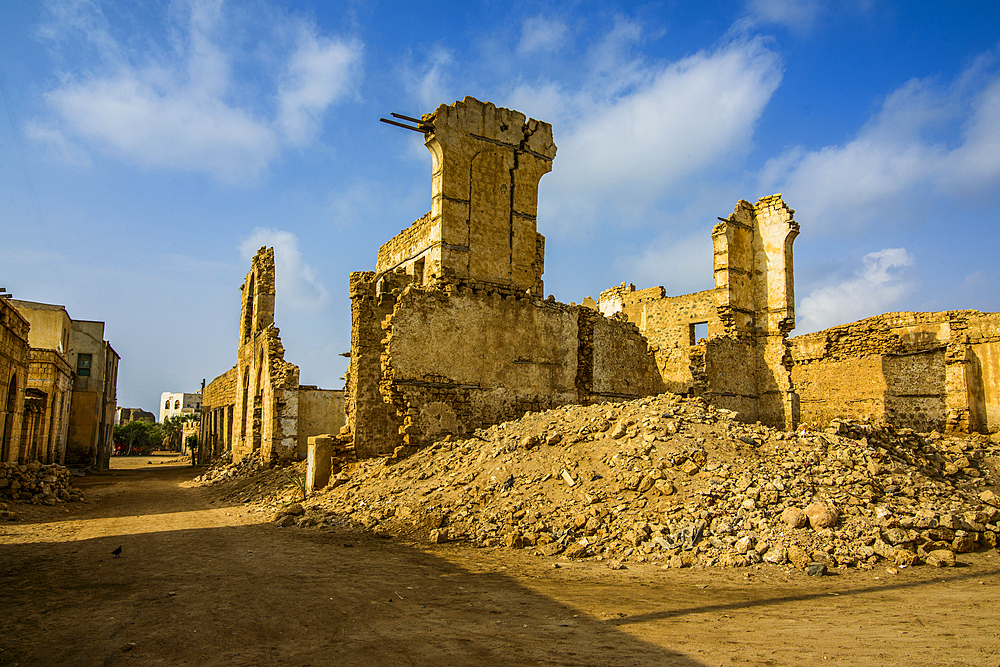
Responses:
[37,483]
[672,480]
[224,469]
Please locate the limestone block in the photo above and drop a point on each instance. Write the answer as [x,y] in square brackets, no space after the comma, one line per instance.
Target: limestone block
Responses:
[319,461]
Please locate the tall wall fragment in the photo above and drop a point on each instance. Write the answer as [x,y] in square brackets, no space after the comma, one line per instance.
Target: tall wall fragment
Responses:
[266,394]
[743,362]
[14,362]
[258,405]
[450,333]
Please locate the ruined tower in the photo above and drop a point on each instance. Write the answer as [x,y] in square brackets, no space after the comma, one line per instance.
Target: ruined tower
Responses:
[487,163]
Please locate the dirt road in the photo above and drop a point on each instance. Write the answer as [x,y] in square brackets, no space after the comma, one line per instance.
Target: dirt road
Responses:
[201,582]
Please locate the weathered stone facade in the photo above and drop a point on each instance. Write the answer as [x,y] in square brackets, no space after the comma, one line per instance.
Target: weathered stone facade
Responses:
[743,363]
[451,333]
[218,410]
[14,363]
[126,416]
[94,402]
[258,404]
[916,370]
[50,381]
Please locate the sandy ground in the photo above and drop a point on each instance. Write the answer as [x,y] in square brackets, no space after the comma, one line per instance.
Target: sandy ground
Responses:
[202,582]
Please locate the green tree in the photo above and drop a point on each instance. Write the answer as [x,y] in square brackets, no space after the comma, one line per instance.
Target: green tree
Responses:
[135,436]
[172,429]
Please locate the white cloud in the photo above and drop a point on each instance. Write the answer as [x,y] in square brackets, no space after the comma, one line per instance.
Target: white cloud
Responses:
[923,142]
[638,130]
[185,108]
[682,265]
[319,72]
[540,34]
[884,279]
[796,14]
[57,146]
[430,87]
[801,15]
[295,282]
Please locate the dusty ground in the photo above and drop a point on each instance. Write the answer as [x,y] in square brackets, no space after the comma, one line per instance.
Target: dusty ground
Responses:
[208,583]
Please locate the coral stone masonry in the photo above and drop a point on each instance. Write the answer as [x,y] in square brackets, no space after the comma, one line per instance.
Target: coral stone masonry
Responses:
[450,333]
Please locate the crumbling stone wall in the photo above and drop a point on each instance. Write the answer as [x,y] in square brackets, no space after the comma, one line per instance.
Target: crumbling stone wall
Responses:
[321,411]
[218,413]
[450,333]
[267,385]
[744,362]
[455,358]
[13,379]
[258,405]
[916,370]
[50,375]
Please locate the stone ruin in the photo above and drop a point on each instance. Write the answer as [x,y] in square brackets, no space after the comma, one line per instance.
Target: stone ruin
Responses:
[258,406]
[925,371]
[451,333]
[744,361]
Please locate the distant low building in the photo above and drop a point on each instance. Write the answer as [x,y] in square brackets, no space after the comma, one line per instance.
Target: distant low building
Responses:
[124,416]
[177,404]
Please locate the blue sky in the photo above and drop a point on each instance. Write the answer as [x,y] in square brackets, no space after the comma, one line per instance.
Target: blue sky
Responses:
[149,147]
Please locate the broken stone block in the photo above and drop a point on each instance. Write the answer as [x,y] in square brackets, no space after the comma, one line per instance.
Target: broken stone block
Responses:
[550,549]
[940,558]
[690,468]
[794,517]
[776,555]
[319,460]
[821,515]
[798,557]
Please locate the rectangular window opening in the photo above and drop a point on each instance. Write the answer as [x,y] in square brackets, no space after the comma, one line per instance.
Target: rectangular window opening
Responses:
[697,331]
[83,364]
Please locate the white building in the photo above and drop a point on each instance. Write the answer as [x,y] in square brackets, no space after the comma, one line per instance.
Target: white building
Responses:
[177,404]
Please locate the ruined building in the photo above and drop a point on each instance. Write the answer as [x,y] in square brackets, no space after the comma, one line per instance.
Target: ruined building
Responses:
[68,393]
[92,409]
[13,380]
[916,370]
[744,361]
[258,404]
[451,331]
[50,381]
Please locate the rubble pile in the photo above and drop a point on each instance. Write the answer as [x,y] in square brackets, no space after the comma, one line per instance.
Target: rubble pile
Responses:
[259,479]
[37,483]
[221,470]
[672,480]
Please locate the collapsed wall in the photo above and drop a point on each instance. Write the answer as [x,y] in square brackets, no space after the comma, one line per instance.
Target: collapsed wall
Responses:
[450,333]
[743,362]
[924,371]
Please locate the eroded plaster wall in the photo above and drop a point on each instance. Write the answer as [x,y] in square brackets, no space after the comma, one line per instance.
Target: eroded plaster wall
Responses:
[451,333]
[321,411]
[917,370]
[743,363]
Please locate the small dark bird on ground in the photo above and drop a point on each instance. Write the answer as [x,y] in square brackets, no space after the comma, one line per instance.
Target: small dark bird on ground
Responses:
[117,552]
